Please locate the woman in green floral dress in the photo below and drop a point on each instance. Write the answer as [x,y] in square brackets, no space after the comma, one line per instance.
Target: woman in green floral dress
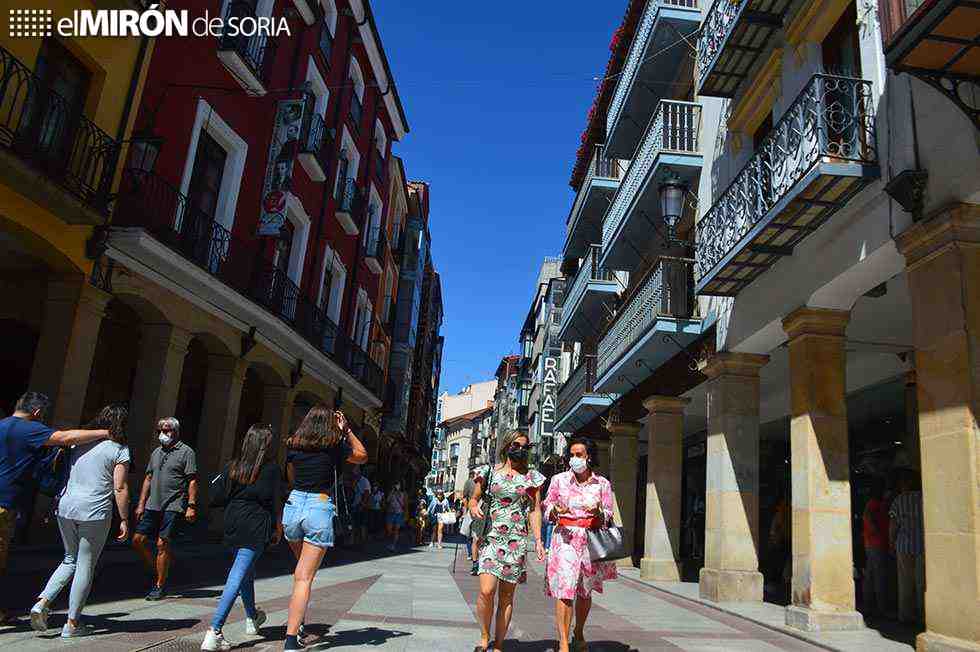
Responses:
[514,505]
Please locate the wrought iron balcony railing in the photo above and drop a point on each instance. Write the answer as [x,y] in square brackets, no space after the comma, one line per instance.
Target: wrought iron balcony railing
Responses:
[258,51]
[356,110]
[666,291]
[41,128]
[317,141]
[379,166]
[674,128]
[817,155]
[580,382]
[374,245]
[147,201]
[733,36]
[669,49]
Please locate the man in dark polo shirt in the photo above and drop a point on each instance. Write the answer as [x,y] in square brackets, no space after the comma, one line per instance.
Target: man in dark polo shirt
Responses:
[169,496]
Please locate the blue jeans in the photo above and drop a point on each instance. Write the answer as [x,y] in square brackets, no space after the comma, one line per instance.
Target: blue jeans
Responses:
[548,529]
[241,579]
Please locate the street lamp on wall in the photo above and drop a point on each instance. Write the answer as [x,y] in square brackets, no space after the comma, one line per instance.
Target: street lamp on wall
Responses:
[672,193]
[144,149]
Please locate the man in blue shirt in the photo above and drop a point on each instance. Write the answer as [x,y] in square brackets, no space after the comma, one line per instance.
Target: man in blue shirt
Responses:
[23,436]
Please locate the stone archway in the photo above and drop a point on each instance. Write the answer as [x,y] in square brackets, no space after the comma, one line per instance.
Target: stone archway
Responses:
[18,341]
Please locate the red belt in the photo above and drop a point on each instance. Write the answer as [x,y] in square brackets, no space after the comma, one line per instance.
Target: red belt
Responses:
[576,522]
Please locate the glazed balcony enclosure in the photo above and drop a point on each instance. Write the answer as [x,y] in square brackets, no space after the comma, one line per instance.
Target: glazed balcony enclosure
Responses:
[578,402]
[45,133]
[817,156]
[655,320]
[734,35]
[671,146]
[584,314]
[153,221]
[584,223]
[658,51]
[249,59]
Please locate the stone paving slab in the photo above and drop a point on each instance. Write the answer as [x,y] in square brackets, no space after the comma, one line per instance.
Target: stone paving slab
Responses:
[407,602]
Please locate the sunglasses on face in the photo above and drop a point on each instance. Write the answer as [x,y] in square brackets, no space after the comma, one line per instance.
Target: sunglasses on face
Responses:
[521,448]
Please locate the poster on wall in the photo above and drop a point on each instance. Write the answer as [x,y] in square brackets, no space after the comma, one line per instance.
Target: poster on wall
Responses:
[279,169]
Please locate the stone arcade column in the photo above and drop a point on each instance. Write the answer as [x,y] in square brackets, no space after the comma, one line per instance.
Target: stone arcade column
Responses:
[665,448]
[73,315]
[161,364]
[943,257]
[731,564]
[623,455]
[604,446]
[219,415]
[277,407]
[823,581]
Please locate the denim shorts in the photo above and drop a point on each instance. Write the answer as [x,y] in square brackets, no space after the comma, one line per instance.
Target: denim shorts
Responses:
[396,520]
[309,517]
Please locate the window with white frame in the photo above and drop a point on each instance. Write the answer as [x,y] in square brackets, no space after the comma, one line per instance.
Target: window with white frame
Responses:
[333,278]
[389,287]
[349,163]
[330,15]
[362,320]
[380,139]
[318,87]
[207,120]
[373,222]
[357,78]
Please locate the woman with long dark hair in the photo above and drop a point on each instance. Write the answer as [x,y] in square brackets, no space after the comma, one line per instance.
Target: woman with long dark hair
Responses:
[248,490]
[578,500]
[513,508]
[97,472]
[315,454]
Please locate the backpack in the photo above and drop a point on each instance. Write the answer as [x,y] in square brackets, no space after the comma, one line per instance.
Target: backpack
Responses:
[51,473]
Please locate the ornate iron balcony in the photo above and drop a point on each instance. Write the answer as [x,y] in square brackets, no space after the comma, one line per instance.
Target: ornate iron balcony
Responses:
[41,128]
[666,291]
[147,201]
[734,35]
[257,52]
[325,43]
[374,245]
[316,147]
[672,139]
[817,156]
[657,52]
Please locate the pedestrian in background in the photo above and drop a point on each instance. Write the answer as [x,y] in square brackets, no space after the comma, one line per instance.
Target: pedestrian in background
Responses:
[514,511]
[376,519]
[578,500]
[360,504]
[907,536]
[875,531]
[315,453]
[168,498]
[248,490]
[23,440]
[439,512]
[97,472]
[396,515]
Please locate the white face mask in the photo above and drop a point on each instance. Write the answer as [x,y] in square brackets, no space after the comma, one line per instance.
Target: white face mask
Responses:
[578,464]
[166,439]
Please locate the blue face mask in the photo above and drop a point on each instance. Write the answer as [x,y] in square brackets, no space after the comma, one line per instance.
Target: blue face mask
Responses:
[578,464]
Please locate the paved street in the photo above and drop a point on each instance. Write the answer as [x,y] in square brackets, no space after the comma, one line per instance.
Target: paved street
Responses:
[406,601]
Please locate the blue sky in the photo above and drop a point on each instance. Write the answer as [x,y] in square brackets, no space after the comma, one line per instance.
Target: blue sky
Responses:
[496,101]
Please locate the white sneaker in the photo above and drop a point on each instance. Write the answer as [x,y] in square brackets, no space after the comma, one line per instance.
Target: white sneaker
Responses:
[432,545]
[215,642]
[74,632]
[440,546]
[252,624]
[391,548]
[39,616]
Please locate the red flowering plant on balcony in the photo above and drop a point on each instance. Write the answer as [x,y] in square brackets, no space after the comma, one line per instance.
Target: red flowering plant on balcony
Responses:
[595,122]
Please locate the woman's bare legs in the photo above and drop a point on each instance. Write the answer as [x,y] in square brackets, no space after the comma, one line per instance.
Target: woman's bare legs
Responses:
[563,622]
[439,534]
[582,607]
[484,606]
[505,608]
[309,561]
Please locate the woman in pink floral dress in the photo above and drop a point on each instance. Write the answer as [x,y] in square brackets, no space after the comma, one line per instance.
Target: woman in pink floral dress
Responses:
[514,510]
[577,500]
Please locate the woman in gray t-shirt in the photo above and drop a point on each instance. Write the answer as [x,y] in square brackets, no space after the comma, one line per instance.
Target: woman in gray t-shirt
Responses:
[96,471]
